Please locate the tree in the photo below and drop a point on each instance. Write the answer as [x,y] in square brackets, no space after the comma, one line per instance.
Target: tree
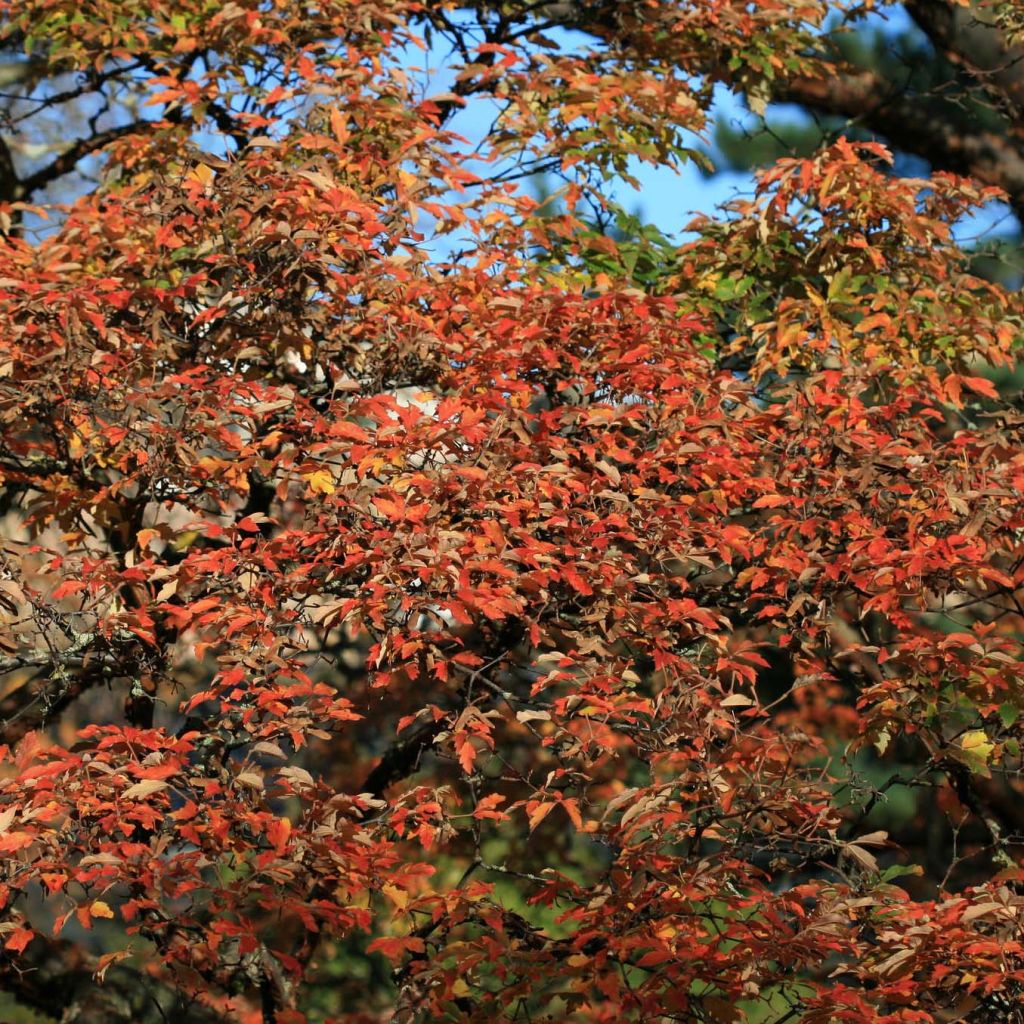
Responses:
[422,605]
[936,80]
[953,99]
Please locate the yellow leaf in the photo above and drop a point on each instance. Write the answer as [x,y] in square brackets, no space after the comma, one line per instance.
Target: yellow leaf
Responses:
[399,897]
[185,540]
[203,174]
[100,909]
[539,813]
[320,482]
[976,750]
[339,127]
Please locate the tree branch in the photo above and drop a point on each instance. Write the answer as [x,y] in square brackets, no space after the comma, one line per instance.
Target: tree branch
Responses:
[9,183]
[69,158]
[977,46]
[33,704]
[58,979]
[868,100]
[401,759]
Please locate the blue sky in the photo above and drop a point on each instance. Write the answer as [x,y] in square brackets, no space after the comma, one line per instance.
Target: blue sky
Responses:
[669,199]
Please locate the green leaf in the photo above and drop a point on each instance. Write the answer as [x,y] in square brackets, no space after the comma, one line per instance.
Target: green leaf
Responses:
[901,871]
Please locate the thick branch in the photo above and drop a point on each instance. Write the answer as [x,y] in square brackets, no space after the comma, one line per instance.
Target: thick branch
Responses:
[69,158]
[69,673]
[31,707]
[1002,800]
[57,979]
[868,100]
[227,124]
[9,183]
[401,759]
[965,37]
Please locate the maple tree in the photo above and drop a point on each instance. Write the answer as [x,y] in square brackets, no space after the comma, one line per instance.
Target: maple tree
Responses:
[420,605]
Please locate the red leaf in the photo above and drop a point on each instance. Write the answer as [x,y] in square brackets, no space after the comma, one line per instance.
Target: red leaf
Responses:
[19,939]
[576,581]
[395,947]
[981,386]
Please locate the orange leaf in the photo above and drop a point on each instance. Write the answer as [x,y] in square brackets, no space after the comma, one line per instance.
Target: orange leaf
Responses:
[19,939]
[539,813]
[395,947]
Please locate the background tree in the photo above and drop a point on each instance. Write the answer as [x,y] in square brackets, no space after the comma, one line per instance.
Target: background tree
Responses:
[937,82]
[422,604]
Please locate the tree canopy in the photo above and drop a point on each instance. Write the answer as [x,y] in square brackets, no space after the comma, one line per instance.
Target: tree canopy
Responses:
[423,603]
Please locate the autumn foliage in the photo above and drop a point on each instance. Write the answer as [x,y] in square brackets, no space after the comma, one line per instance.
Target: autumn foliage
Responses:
[421,604]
